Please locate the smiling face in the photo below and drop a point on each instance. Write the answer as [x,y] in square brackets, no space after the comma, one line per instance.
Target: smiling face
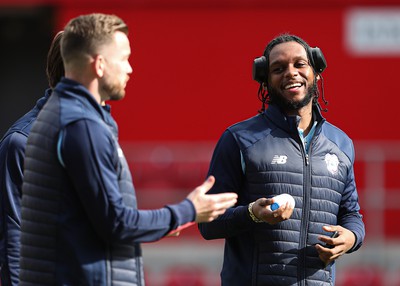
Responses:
[291,79]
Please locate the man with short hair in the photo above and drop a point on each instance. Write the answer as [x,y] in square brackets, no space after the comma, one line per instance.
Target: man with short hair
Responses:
[80,222]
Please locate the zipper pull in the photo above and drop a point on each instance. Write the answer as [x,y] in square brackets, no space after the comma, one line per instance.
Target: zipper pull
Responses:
[307,162]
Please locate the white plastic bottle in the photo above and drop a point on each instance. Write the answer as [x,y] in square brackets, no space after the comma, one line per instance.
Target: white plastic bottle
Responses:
[281,200]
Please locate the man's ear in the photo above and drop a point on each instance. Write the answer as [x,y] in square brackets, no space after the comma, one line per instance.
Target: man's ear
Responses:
[99,65]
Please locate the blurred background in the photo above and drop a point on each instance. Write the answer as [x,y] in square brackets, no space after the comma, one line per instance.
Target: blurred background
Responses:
[192,62]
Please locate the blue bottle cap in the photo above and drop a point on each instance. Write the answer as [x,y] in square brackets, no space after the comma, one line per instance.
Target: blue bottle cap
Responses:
[274,206]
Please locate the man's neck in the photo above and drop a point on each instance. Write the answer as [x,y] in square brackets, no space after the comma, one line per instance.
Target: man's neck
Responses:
[305,114]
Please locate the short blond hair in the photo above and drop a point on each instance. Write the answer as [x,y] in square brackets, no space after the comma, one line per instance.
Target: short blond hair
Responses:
[86,34]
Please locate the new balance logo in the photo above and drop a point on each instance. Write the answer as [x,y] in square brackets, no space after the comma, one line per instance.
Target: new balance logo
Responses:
[279,159]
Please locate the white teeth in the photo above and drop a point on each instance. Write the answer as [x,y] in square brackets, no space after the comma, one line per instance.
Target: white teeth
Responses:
[293,85]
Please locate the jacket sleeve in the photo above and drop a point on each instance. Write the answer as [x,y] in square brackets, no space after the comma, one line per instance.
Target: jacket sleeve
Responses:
[349,215]
[226,166]
[91,159]
[13,149]
[12,152]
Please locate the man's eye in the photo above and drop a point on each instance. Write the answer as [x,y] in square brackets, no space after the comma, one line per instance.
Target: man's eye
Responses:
[300,65]
[277,70]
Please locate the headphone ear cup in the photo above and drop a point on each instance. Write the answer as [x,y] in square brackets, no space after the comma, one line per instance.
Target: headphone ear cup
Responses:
[318,60]
[260,69]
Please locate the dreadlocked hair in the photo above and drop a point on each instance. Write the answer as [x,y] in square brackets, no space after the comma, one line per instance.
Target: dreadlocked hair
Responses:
[262,96]
[315,100]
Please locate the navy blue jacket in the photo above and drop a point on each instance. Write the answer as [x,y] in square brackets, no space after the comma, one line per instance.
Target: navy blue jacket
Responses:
[80,222]
[12,153]
[263,157]
[12,150]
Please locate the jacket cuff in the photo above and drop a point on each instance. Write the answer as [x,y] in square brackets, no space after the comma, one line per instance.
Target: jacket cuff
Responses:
[356,226]
[182,213]
[243,216]
[357,244]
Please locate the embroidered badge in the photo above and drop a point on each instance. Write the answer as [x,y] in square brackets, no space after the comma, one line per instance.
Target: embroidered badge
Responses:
[332,163]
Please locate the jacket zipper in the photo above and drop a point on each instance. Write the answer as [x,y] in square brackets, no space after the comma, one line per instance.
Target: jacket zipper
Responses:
[138,270]
[301,272]
[108,262]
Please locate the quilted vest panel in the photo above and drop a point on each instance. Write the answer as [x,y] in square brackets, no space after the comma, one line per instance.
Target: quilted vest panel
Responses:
[275,164]
[48,258]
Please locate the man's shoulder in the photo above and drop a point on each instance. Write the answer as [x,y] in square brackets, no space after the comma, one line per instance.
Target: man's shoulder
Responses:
[332,131]
[247,124]
[339,138]
[250,131]
[24,123]
[15,140]
[13,145]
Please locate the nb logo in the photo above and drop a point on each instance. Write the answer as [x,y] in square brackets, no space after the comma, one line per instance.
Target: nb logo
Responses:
[279,159]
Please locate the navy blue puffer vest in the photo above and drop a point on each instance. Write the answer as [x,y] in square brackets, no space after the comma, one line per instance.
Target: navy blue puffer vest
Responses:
[276,163]
[41,219]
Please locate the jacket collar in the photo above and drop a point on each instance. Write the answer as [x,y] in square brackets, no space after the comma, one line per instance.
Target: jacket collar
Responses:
[290,123]
[76,90]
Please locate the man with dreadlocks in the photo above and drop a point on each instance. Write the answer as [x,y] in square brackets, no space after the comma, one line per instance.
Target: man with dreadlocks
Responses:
[289,148]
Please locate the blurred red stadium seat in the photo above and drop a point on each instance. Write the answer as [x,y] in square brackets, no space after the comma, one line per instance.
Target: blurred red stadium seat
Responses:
[363,276]
[185,276]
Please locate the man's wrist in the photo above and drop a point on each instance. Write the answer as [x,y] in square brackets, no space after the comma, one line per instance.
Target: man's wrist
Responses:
[253,217]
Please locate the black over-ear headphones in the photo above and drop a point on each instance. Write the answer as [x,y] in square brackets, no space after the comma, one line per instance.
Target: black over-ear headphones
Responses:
[317,61]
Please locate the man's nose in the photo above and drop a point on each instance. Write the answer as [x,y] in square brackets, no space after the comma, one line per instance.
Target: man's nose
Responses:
[291,71]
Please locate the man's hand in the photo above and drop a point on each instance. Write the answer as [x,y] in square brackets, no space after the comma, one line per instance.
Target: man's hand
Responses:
[209,207]
[262,212]
[335,247]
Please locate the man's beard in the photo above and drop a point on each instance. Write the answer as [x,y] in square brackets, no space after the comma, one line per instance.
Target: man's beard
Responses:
[113,91]
[276,98]
[116,93]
